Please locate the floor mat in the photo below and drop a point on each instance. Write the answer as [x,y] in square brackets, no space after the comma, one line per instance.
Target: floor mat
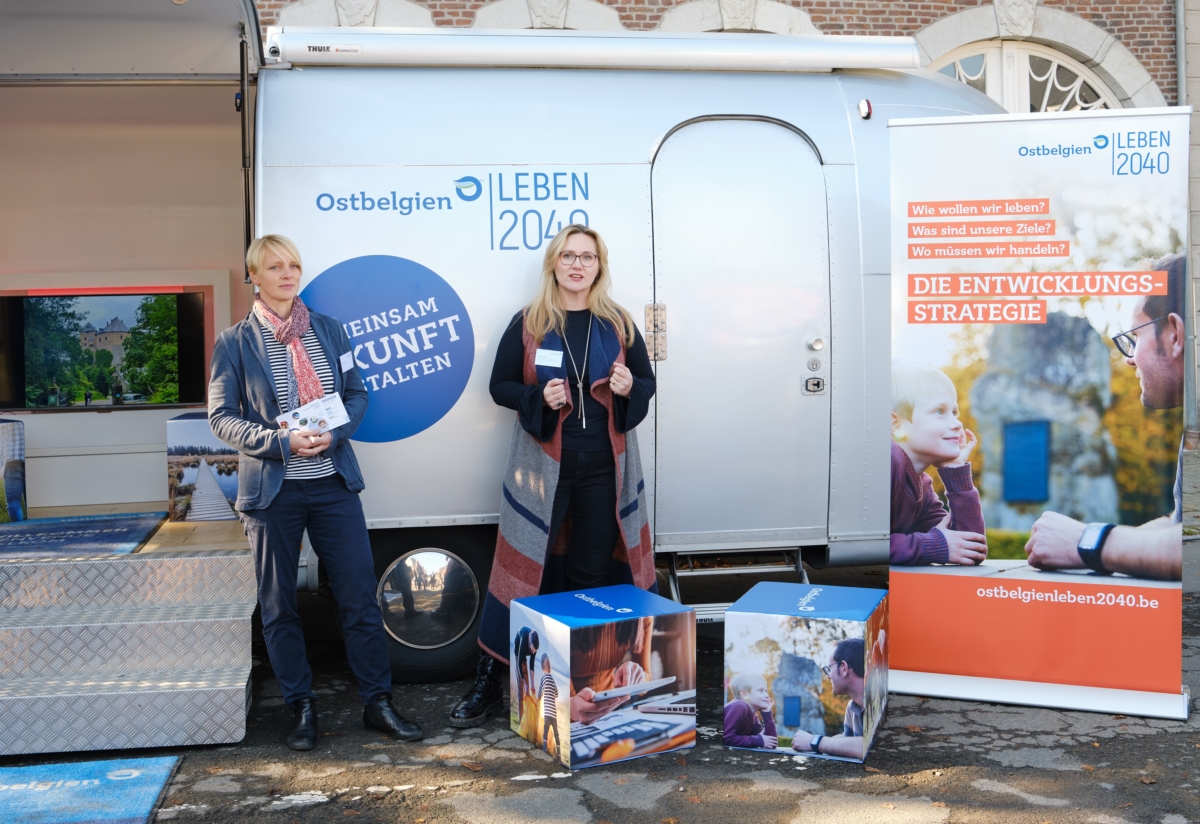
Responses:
[86,535]
[119,791]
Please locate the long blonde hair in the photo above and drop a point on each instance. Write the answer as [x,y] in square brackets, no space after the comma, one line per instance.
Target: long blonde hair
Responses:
[545,313]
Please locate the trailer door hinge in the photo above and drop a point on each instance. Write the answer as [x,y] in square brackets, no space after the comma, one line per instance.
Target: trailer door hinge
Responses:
[656,331]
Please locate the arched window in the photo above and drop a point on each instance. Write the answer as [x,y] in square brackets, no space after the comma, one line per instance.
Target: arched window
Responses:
[1027,77]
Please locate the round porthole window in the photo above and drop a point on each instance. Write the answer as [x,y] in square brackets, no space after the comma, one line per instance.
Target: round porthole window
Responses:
[429,598]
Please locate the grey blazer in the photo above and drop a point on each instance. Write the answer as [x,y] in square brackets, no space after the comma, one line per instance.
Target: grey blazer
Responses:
[242,408]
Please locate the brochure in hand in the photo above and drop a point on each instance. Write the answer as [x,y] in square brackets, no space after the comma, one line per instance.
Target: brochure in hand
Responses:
[317,416]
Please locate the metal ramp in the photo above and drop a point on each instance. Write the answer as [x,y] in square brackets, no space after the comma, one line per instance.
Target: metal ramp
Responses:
[125,651]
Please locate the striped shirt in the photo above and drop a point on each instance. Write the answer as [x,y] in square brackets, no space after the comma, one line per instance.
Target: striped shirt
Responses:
[300,468]
[548,693]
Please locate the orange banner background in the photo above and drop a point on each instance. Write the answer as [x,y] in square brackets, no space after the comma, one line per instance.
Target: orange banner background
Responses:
[976,311]
[979,208]
[1034,227]
[991,249]
[1043,284]
[941,625]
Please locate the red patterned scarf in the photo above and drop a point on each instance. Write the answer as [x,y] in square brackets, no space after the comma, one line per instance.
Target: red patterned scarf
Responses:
[290,333]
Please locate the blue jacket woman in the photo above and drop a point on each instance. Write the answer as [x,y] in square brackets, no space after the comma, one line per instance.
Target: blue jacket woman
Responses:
[281,357]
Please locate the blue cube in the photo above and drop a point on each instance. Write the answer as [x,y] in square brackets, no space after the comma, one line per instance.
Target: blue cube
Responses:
[603,675]
[806,670]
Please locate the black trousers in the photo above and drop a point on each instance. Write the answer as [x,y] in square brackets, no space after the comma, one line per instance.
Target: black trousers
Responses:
[587,488]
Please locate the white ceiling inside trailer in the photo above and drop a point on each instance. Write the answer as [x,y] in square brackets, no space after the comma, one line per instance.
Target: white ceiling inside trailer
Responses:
[125,38]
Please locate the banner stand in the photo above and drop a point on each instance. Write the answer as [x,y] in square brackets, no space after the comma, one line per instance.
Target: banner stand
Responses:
[1038,694]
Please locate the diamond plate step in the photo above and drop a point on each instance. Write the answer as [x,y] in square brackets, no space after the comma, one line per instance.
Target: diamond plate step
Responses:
[187,577]
[72,715]
[122,640]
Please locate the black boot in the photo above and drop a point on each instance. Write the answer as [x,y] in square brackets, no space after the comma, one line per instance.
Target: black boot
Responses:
[381,715]
[304,730]
[486,696]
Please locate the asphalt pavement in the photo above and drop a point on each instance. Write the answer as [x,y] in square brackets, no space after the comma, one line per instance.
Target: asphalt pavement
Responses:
[934,760]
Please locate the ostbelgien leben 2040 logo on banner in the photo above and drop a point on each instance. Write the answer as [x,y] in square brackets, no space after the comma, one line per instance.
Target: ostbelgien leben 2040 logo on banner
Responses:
[411,337]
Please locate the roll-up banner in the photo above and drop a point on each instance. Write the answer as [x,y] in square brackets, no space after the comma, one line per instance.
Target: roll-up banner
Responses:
[1038,275]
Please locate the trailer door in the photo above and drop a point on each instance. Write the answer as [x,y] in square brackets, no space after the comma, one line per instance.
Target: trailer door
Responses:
[741,266]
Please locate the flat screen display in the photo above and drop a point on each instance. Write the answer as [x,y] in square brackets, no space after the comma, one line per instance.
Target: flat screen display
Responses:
[113,350]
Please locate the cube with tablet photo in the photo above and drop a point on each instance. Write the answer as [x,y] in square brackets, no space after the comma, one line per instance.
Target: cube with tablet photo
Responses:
[603,675]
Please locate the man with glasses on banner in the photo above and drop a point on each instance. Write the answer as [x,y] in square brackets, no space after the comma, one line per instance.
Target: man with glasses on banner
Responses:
[1154,346]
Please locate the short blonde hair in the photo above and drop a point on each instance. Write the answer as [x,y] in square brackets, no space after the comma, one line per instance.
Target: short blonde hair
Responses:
[745,682]
[910,383]
[256,255]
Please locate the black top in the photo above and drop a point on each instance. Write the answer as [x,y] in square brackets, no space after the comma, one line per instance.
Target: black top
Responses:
[509,389]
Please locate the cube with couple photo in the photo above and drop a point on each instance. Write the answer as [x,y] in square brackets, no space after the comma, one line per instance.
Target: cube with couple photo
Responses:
[603,675]
[806,670]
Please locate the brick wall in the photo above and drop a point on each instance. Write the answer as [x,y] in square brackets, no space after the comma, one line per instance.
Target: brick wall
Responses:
[1145,27]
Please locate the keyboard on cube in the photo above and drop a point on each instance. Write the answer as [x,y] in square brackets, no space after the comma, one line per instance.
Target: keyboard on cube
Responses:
[588,743]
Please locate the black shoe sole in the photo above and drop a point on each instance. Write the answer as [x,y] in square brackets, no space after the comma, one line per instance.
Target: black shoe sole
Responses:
[479,720]
[305,748]
[374,728]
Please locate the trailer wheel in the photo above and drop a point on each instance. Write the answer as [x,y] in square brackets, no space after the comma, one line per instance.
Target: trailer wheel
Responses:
[431,584]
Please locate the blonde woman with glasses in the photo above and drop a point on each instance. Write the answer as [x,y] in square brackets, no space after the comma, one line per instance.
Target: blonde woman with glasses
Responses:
[573,507]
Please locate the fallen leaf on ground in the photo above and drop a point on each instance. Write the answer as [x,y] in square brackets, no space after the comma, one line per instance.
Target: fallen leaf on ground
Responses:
[472,766]
[695,799]
[621,780]
[681,762]
[1119,717]
[915,728]
[667,821]
[1095,743]
[1089,768]
[939,803]
[351,812]
[888,806]
[873,769]
[1149,781]
[1123,806]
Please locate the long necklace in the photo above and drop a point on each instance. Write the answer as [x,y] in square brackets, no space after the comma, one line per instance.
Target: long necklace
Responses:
[578,377]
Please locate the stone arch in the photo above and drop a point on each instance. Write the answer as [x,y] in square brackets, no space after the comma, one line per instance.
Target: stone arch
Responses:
[582,15]
[737,15]
[356,13]
[1026,20]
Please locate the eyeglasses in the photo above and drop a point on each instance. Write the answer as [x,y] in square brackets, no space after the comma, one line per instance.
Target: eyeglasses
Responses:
[586,260]
[827,669]
[1126,342]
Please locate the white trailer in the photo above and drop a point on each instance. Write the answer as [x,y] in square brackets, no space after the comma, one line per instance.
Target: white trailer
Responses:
[741,182]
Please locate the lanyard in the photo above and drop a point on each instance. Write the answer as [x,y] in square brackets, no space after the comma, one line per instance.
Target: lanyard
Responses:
[578,377]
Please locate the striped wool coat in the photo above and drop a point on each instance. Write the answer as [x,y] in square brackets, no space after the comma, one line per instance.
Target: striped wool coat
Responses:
[526,563]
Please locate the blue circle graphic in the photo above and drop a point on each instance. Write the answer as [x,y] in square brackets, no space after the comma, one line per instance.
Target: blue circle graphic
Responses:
[410,336]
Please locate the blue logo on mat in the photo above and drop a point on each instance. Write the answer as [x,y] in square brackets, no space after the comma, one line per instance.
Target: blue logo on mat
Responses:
[410,336]
[1100,141]
[468,188]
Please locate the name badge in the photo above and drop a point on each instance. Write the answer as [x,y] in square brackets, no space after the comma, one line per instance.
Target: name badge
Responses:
[347,361]
[548,357]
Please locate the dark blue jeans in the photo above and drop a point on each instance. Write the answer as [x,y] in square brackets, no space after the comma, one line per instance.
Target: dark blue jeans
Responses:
[333,516]
[587,488]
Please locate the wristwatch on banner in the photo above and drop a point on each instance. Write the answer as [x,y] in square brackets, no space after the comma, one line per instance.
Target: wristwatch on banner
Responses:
[1091,544]
[815,743]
